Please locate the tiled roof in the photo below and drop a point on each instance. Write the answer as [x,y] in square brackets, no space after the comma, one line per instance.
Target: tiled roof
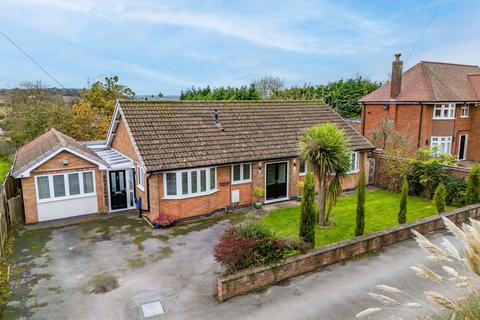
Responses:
[45,145]
[432,82]
[173,135]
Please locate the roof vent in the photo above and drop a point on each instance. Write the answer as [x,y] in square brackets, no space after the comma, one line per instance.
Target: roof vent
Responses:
[216,120]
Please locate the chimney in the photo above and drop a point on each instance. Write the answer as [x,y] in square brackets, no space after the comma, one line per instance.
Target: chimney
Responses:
[396,81]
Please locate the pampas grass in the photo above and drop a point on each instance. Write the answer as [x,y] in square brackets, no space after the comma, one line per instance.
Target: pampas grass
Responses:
[459,298]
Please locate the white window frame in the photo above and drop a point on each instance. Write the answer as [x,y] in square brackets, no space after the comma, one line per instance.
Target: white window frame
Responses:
[234,182]
[302,173]
[465,111]
[437,141]
[67,196]
[450,108]
[356,168]
[178,174]
[140,177]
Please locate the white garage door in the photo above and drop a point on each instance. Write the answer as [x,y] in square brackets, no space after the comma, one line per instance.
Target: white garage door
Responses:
[67,208]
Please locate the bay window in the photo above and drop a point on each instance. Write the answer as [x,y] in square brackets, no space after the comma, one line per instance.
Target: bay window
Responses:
[444,111]
[190,183]
[64,186]
[241,173]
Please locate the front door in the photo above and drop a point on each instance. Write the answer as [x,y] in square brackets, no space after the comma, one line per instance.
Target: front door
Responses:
[118,190]
[276,181]
[462,147]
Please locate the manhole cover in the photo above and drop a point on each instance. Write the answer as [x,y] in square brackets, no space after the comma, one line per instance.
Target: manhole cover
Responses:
[152,309]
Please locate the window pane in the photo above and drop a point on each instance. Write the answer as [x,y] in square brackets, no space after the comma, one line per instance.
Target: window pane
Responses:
[87,182]
[193,178]
[121,180]
[140,176]
[213,183]
[74,183]
[203,180]
[43,188]
[185,182]
[236,172]
[302,167]
[113,182]
[171,184]
[353,161]
[246,171]
[58,186]
[438,113]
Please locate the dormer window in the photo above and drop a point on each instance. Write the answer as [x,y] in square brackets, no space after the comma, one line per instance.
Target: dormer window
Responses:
[444,111]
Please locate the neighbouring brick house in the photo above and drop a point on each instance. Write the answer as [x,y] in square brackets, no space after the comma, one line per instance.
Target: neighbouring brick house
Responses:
[433,104]
[183,159]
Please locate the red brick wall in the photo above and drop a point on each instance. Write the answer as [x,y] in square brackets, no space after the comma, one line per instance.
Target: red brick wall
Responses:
[55,165]
[189,207]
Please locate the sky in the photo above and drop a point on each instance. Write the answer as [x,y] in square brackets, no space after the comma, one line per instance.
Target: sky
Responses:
[168,46]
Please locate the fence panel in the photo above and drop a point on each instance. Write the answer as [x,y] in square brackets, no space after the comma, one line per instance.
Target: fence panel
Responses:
[15,210]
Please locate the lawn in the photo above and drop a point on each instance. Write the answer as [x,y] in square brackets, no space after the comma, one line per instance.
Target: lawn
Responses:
[5,165]
[381,208]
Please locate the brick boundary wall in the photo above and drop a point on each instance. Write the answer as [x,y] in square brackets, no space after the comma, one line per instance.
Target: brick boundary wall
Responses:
[252,279]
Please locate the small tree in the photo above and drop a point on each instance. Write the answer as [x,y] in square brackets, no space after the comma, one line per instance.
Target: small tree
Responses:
[360,205]
[402,213]
[439,198]
[472,194]
[308,214]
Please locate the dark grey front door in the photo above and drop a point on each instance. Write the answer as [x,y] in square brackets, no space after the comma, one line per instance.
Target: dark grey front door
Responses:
[462,147]
[118,190]
[276,182]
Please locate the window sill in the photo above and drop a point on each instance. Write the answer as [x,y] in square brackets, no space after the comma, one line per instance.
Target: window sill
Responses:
[466,117]
[188,196]
[140,187]
[241,182]
[302,174]
[353,171]
[88,195]
[443,118]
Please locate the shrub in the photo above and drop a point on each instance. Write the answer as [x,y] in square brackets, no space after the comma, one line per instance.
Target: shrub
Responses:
[472,194]
[307,211]
[360,226]
[259,192]
[439,198]
[252,244]
[456,188]
[402,213]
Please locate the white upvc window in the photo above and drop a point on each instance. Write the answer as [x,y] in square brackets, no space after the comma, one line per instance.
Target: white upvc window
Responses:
[465,111]
[140,177]
[64,186]
[190,183]
[441,145]
[303,168]
[354,162]
[241,173]
[444,111]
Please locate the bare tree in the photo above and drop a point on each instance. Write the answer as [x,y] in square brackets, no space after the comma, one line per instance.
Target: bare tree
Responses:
[267,85]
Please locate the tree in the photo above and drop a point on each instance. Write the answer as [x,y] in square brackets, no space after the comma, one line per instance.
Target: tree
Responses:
[268,85]
[101,97]
[325,149]
[402,213]
[439,198]
[472,195]
[221,93]
[307,210]
[360,226]
[33,110]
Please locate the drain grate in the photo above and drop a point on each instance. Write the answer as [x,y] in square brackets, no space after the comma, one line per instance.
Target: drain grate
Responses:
[152,309]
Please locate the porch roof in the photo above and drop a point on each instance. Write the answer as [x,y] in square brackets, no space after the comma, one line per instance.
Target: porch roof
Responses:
[115,159]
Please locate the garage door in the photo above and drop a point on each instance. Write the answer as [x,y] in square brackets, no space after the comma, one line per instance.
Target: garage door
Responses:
[67,208]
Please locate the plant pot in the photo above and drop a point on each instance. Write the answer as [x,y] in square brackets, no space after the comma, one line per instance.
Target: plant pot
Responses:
[258,205]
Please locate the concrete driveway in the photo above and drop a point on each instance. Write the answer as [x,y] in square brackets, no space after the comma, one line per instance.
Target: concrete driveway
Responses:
[108,268]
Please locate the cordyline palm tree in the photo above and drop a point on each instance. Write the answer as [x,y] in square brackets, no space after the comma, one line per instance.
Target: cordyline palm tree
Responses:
[325,149]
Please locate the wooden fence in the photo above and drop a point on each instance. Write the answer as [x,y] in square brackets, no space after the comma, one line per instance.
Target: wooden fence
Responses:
[11,209]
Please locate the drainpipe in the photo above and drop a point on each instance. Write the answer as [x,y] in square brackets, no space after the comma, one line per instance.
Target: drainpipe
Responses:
[363,118]
[420,126]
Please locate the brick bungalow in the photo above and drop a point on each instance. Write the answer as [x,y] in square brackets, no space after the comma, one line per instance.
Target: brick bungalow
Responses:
[433,104]
[183,159]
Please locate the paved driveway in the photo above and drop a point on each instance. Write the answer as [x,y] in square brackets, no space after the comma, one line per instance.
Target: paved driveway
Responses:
[108,268]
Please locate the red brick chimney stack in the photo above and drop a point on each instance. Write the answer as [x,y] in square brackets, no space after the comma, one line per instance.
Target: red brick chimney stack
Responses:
[396,82]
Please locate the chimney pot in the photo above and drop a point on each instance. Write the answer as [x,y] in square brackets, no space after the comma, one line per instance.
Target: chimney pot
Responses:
[396,81]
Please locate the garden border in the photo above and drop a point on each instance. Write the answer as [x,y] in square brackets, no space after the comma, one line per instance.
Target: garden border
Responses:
[252,279]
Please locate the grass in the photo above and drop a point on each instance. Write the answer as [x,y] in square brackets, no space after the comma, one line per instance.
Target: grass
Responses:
[381,209]
[5,165]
